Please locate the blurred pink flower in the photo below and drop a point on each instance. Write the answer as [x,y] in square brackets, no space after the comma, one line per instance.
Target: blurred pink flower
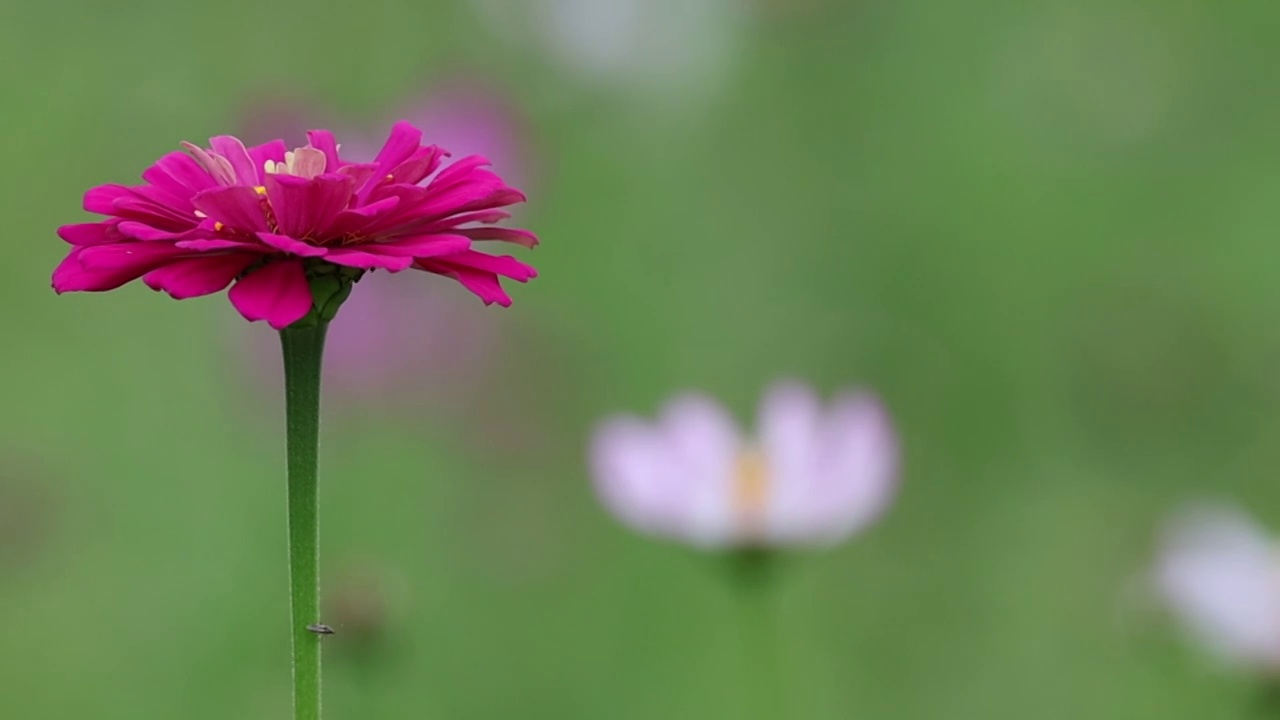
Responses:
[1219,573]
[399,343]
[277,222]
[810,477]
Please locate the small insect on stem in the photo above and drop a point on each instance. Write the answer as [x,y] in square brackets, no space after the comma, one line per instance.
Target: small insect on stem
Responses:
[320,629]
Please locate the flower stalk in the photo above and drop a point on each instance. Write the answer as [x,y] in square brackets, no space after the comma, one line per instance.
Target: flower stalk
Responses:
[303,348]
[755,575]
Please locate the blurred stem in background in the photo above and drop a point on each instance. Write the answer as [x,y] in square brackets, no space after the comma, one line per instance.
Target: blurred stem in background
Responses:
[303,348]
[755,575]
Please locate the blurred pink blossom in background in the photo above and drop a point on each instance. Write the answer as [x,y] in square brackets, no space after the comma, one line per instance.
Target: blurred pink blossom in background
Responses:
[1219,573]
[811,476]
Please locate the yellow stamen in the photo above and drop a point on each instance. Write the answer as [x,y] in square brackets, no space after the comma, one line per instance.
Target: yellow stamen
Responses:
[750,492]
[217,227]
[261,190]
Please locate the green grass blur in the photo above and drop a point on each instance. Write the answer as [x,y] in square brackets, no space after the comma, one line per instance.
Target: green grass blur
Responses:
[1045,232]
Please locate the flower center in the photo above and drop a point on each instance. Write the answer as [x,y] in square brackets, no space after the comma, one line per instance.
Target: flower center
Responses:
[749,495]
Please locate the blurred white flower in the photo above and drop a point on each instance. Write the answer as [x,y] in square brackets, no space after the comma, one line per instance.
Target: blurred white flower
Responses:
[811,476]
[1219,572]
[672,48]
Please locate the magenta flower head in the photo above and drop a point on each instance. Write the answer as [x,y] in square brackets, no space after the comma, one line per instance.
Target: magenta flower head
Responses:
[1219,574]
[811,476]
[294,229]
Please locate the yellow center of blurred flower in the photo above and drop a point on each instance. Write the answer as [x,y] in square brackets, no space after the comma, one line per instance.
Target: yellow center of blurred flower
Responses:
[750,492]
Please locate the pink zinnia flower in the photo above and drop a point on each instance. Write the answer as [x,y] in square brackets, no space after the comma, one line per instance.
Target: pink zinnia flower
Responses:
[1219,572]
[811,476]
[278,223]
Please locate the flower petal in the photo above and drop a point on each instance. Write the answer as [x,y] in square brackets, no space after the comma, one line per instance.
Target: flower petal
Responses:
[273,151]
[401,144]
[106,267]
[1217,572]
[323,141]
[140,256]
[307,207]
[358,258]
[97,233]
[277,292]
[511,235]
[194,277]
[286,244]
[181,171]
[355,220]
[143,231]
[235,152]
[479,273]
[857,465]
[218,167]
[216,244]
[421,246]
[457,171]
[422,163]
[237,206]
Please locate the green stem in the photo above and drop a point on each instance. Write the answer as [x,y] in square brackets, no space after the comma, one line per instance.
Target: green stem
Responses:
[303,348]
[756,573]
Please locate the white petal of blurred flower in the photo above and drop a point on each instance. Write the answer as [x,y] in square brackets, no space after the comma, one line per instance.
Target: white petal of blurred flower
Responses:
[674,49]
[811,476]
[1219,572]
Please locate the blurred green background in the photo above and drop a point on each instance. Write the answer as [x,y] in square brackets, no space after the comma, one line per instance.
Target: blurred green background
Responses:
[1044,232]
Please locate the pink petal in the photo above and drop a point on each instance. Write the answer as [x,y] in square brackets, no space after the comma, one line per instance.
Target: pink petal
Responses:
[234,151]
[109,266]
[357,258]
[90,233]
[459,198]
[400,145]
[511,235]
[237,206]
[70,276]
[790,417]
[170,191]
[278,293]
[858,464]
[359,219]
[182,172]
[487,217]
[633,477]
[307,207]
[422,163]
[421,246]
[136,206]
[479,273]
[218,167]
[504,265]
[138,257]
[273,151]
[215,245]
[198,276]
[674,478]
[284,243]
[359,172]
[143,231]
[458,171]
[323,141]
